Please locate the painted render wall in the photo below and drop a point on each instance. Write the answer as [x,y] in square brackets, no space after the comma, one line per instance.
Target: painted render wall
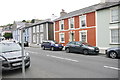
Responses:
[103,29]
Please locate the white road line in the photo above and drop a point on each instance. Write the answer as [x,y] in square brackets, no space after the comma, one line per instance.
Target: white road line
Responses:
[111,67]
[32,52]
[63,58]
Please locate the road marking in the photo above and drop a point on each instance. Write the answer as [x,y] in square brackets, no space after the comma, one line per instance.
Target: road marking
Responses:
[112,67]
[31,52]
[63,58]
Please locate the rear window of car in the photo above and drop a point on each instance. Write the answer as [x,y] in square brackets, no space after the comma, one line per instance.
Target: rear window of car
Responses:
[9,47]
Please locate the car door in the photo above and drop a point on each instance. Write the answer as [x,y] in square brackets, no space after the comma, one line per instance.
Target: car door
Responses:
[77,47]
[47,44]
[72,46]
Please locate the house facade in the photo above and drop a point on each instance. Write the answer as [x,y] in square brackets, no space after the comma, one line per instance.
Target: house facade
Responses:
[78,25]
[97,25]
[108,26]
[40,31]
[17,30]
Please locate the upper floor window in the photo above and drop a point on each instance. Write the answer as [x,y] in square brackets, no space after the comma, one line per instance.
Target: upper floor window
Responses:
[71,23]
[41,28]
[37,28]
[114,14]
[83,21]
[34,29]
[62,25]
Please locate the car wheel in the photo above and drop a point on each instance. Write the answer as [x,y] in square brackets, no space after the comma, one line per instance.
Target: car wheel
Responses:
[52,48]
[113,55]
[67,50]
[85,52]
[43,47]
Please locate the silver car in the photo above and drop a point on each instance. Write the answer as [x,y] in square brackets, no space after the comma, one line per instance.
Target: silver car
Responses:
[11,56]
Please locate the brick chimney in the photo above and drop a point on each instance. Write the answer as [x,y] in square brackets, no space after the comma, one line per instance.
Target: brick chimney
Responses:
[63,13]
[104,1]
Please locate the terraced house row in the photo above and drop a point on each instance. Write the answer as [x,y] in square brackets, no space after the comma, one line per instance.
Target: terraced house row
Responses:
[97,25]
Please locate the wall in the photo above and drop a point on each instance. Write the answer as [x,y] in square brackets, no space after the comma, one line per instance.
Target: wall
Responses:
[103,29]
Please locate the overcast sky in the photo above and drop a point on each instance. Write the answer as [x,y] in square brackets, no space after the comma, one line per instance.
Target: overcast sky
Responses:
[18,10]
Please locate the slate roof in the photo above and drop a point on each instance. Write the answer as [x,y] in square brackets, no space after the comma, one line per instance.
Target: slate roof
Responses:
[41,22]
[89,9]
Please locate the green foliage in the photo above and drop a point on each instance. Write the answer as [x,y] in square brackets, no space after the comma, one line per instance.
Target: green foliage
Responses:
[7,35]
[33,21]
[24,21]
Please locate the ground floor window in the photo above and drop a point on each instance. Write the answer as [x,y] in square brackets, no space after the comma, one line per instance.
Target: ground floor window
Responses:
[115,36]
[83,36]
[62,39]
[34,38]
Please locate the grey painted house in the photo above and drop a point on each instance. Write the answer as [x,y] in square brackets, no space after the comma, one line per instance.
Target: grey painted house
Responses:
[108,25]
[40,31]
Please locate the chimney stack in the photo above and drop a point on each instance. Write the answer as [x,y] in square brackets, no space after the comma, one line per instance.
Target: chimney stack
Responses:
[104,1]
[63,13]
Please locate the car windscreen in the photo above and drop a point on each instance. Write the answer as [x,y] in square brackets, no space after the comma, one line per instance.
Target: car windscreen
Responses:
[9,47]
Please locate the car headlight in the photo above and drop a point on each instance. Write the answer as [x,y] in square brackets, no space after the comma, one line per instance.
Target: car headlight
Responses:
[56,44]
[1,58]
[91,48]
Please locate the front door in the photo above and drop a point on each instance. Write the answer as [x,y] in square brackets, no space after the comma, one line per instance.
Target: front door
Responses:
[72,36]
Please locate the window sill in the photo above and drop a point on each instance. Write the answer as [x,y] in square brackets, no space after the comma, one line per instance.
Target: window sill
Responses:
[114,43]
[114,22]
[62,42]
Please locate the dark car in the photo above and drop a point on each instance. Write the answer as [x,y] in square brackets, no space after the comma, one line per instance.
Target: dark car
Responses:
[77,46]
[26,44]
[113,52]
[52,45]
[11,56]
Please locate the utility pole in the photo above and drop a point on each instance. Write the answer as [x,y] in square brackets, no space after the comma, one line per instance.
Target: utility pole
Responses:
[23,55]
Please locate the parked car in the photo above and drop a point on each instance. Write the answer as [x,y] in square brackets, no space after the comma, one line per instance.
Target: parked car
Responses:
[113,52]
[77,46]
[11,56]
[26,44]
[52,45]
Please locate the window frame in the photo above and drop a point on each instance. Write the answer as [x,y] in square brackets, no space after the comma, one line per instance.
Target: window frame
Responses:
[81,36]
[81,21]
[71,23]
[117,36]
[114,8]
[61,22]
[60,37]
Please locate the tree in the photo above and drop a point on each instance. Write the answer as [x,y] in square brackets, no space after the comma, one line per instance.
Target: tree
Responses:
[24,21]
[33,21]
[8,35]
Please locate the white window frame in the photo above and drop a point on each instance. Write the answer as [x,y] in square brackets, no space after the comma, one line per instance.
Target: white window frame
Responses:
[41,28]
[114,8]
[80,35]
[60,37]
[34,29]
[34,38]
[60,23]
[72,23]
[37,28]
[81,18]
[111,35]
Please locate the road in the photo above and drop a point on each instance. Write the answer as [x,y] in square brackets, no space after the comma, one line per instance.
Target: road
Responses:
[59,64]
